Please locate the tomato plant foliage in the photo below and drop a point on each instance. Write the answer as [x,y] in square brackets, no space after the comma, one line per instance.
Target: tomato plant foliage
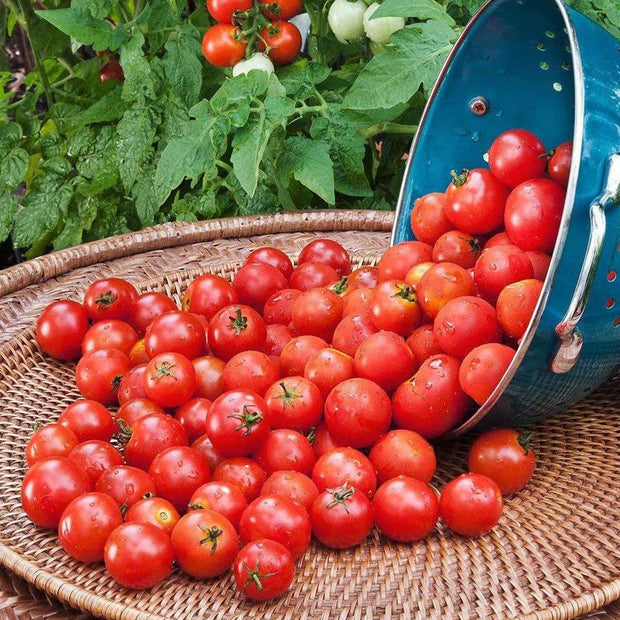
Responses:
[83,158]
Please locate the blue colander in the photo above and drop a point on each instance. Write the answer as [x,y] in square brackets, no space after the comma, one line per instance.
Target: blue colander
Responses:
[538,65]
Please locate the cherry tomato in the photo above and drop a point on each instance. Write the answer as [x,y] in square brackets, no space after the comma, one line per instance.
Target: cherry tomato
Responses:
[414,275]
[471,504]
[432,402]
[483,368]
[560,163]
[405,509]
[293,485]
[277,518]
[342,517]
[263,570]
[295,403]
[500,238]
[170,379]
[125,484]
[111,71]
[175,332]
[49,486]
[516,156]
[88,419]
[352,331]
[274,257]
[132,385]
[278,336]
[327,252]
[400,258]
[224,45]
[255,283]
[250,370]
[312,275]
[403,452]
[533,213]
[242,472]
[136,408]
[321,440]
[465,323]
[193,417]
[317,312]
[442,283]
[297,352]
[428,219]
[540,263]
[205,447]
[327,368]
[423,343]
[498,267]
[286,449]
[138,355]
[99,374]
[224,10]
[148,307]
[504,456]
[209,381]
[356,301]
[234,329]
[85,525]
[50,440]
[95,457]
[138,555]
[110,298]
[363,277]
[279,307]
[357,412]
[393,306]
[207,295]
[222,497]
[457,246]
[156,511]
[61,329]
[516,305]
[345,466]
[281,9]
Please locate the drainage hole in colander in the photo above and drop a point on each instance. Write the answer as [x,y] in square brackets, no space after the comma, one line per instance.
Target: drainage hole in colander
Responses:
[544,65]
[610,303]
[541,46]
[557,86]
[611,276]
[550,34]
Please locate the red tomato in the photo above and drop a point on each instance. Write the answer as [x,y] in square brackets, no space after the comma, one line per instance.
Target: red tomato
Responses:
[238,423]
[222,497]
[540,263]
[400,258]
[281,9]
[356,300]
[125,484]
[49,486]
[432,402]
[224,10]
[352,331]
[85,525]
[498,267]
[483,368]
[110,298]
[99,374]
[111,71]
[414,275]
[156,511]
[242,472]
[504,456]
[342,517]
[371,355]
[263,570]
[516,305]
[138,555]
[465,323]
[345,466]
[286,449]
[95,457]
[209,381]
[136,408]
[148,307]
[293,485]
[138,355]
[250,370]
[457,246]
[88,419]
[327,368]
[471,504]
[312,275]
[405,509]
[151,435]
[274,257]
[61,329]
[322,441]
[278,336]
[132,385]
[560,163]
[363,277]
[327,252]
[516,156]
[207,295]
[533,213]
[234,329]
[357,412]
[175,332]
[317,312]
[205,447]
[277,518]
[423,343]
[50,440]
[428,218]
[393,306]
[297,352]
[279,307]
[255,283]
[442,283]
[170,379]
[500,238]
[193,417]
[403,452]
[294,403]
[224,45]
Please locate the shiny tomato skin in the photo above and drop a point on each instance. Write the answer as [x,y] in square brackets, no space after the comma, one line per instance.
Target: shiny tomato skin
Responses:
[356,300]
[345,466]
[471,504]
[405,509]
[363,277]
[138,355]
[317,312]
[50,440]
[483,368]
[295,403]
[516,156]
[88,419]
[61,327]
[255,283]
[222,497]
[148,307]
[110,298]
[170,379]
[85,525]
[222,11]
[250,370]
[125,484]
[286,449]
[205,447]
[242,472]
[540,263]
[560,163]
[279,307]
[136,408]
[498,267]
[400,258]
[283,9]
[49,486]
[132,385]
[95,457]
[327,368]
[223,45]
[278,336]
[297,352]
[503,455]
[465,323]
[414,275]
[154,510]
[500,238]
[208,294]
[193,417]
[111,71]
[209,381]
[352,331]
[457,246]
[277,518]
[274,257]
[442,283]
[235,329]
[428,219]
[99,374]
[138,555]
[293,485]
[394,307]
[312,275]
[323,442]
[329,253]
[516,304]
[175,332]
[423,343]
[281,41]
[403,453]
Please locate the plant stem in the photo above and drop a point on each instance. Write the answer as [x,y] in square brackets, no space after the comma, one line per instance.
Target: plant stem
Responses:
[224,165]
[373,130]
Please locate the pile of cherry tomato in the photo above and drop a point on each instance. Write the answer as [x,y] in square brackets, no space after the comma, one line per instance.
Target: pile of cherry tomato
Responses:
[298,400]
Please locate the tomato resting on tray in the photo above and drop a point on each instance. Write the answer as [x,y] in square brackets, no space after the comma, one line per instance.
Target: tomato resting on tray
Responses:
[298,398]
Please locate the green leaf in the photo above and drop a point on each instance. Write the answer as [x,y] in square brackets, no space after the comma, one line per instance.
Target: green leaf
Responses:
[234,96]
[138,75]
[80,24]
[108,108]
[413,60]
[8,208]
[135,133]
[308,161]
[420,9]
[300,78]
[97,8]
[13,167]
[182,66]
[10,134]
[147,204]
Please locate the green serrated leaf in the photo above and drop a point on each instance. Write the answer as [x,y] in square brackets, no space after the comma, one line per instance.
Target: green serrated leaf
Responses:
[145,197]
[234,96]
[10,134]
[13,167]
[301,77]
[8,208]
[135,133]
[97,8]
[420,9]
[182,66]
[138,75]
[108,108]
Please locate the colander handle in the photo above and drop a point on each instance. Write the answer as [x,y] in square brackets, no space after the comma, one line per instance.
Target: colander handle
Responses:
[570,339]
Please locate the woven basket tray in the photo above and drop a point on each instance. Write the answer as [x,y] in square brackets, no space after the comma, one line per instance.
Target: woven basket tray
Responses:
[554,555]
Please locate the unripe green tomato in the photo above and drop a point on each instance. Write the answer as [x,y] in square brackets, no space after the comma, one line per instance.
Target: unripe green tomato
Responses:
[257,61]
[380,30]
[346,19]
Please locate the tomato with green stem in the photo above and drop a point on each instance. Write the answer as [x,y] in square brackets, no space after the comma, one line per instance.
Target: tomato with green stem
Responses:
[170,379]
[99,374]
[224,45]
[345,466]
[223,11]
[110,298]
[560,163]
[281,41]
[457,246]
[281,9]
[234,329]
[295,403]
[394,307]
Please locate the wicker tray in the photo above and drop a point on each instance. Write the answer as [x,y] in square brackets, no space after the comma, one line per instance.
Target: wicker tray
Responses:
[555,554]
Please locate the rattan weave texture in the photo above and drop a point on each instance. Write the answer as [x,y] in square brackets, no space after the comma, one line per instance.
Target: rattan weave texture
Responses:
[555,554]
